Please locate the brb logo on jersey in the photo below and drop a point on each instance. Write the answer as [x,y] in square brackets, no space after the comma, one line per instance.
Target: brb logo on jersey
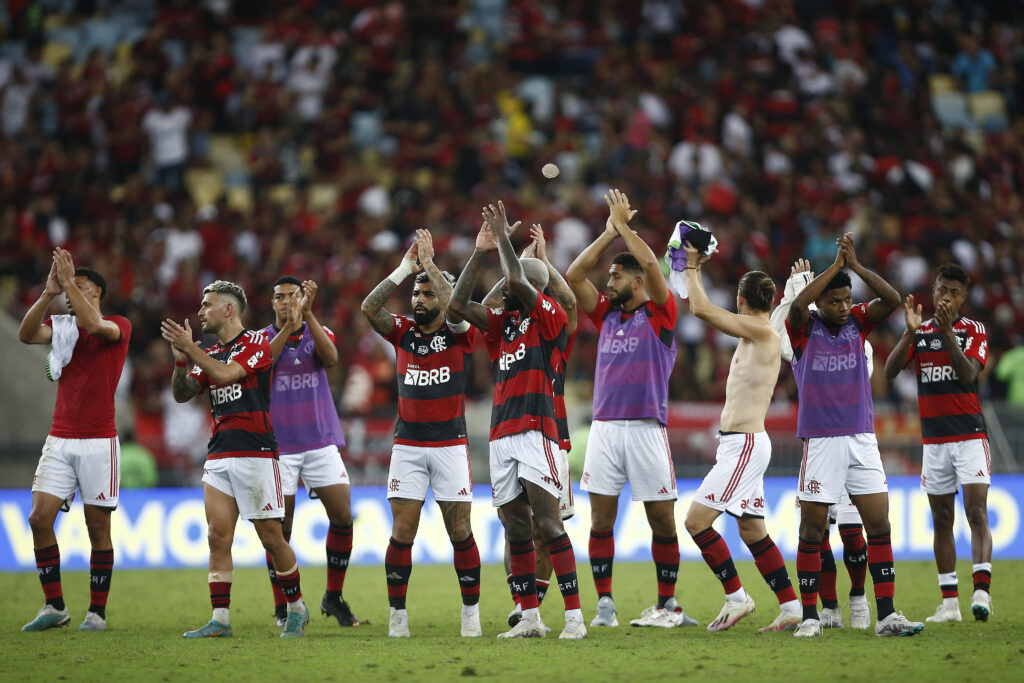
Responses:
[938,373]
[220,395]
[302,380]
[619,344]
[826,362]
[425,378]
[507,359]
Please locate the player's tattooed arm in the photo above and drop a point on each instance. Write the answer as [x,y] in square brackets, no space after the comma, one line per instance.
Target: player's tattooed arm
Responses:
[373,307]
[443,289]
[184,386]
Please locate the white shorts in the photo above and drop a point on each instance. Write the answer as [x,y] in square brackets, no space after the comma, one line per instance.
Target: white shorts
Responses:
[444,469]
[90,465]
[254,483]
[947,466]
[565,502]
[736,483]
[834,463]
[843,512]
[318,468]
[629,450]
[526,455]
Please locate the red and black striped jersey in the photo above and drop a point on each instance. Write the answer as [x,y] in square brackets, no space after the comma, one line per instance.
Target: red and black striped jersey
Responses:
[241,410]
[950,411]
[561,416]
[431,383]
[527,352]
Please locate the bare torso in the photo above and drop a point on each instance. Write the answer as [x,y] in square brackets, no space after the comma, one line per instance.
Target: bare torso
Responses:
[752,376]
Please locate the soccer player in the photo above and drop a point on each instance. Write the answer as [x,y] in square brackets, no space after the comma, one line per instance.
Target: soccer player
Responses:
[241,475]
[433,352]
[82,451]
[526,341]
[844,514]
[836,420]
[950,350]
[635,356]
[560,290]
[736,483]
[309,433]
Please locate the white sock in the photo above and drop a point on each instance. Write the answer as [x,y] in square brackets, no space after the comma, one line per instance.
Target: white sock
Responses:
[220,615]
[951,603]
[982,567]
[398,611]
[532,613]
[471,608]
[948,579]
[298,606]
[791,606]
[574,614]
[736,596]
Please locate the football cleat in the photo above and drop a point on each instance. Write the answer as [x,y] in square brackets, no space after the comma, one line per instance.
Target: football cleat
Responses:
[682,618]
[398,624]
[574,628]
[732,612]
[295,625]
[93,622]
[786,621]
[515,615]
[471,622]
[48,617]
[832,617]
[656,616]
[606,614]
[212,629]
[280,615]
[340,610]
[981,605]
[945,613]
[530,626]
[808,628]
[860,615]
[898,625]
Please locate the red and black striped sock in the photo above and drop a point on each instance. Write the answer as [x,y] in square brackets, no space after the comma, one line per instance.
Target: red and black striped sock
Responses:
[665,552]
[827,579]
[602,555]
[339,550]
[883,575]
[290,585]
[716,553]
[542,590]
[48,568]
[467,569]
[982,572]
[523,559]
[101,566]
[773,568]
[397,569]
[563,561]
[855,556]
[275,587]
[511,589]
[220,594]
[808,569]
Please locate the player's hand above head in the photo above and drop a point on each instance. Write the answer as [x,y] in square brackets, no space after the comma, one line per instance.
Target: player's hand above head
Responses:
[911,315]
[541,244]
[485,238]
[849,253]
[65,267]
[694,258]
[412,255]
[53,286]
[801,265]
[618,206]
[530,251]
[425,243]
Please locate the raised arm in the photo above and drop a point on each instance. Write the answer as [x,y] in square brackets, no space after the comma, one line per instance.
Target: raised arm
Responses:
[559,287]
[32,329]
[735,325]
[888,298]
[511,268]
[325,348]
[88,315]
[798,311]
[897,359]
[460,304]
[967,369]
[654,281]
[373,305]
[425,244]
[586,293]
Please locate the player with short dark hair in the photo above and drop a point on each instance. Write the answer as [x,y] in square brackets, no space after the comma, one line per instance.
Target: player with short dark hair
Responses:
[431,451]
[628,443]
[949,351]
[309,434]
[82,451]
[526,341]
[836,420]
[735,484]
[241,475]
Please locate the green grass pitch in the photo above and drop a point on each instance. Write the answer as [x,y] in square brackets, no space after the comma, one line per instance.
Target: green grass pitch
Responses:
[149,610]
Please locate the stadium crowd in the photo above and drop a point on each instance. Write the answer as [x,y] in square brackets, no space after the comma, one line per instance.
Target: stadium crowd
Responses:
[168,144]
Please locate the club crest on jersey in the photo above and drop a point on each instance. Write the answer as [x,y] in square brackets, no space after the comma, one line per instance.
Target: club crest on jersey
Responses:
[525,325]
[438,344]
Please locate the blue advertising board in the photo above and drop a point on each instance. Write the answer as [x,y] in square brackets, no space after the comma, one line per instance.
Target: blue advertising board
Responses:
[166,528]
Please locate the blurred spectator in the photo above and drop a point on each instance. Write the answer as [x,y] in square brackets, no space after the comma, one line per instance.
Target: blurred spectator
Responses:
[973,64]
[167,126]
